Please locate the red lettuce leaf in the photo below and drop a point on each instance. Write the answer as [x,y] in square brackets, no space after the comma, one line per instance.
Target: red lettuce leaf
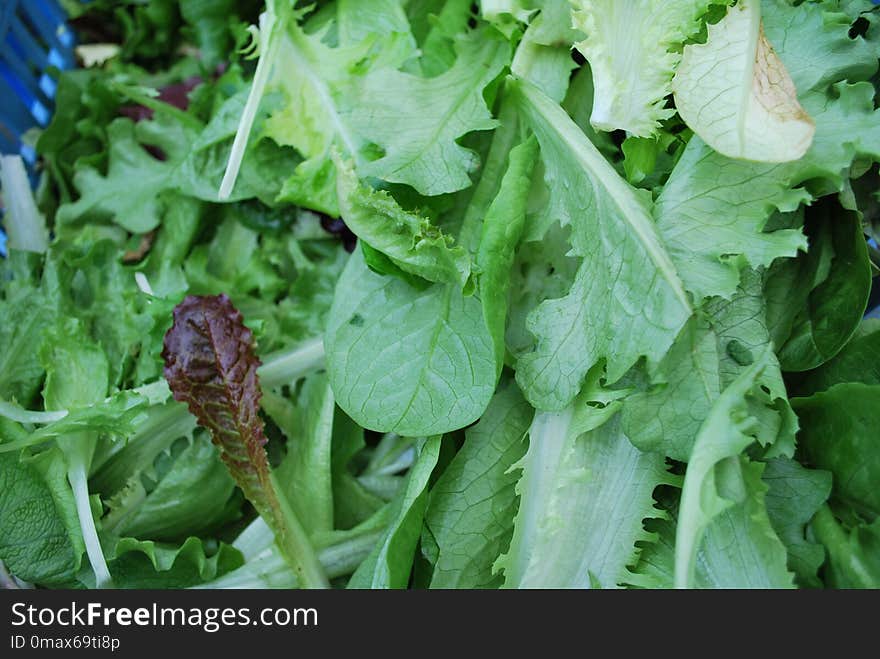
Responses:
[211,366]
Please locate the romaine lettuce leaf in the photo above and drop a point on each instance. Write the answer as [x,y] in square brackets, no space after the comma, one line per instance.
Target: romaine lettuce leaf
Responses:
[583,495]
[625,276]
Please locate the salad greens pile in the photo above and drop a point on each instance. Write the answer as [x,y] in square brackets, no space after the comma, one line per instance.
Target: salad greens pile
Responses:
[433,293]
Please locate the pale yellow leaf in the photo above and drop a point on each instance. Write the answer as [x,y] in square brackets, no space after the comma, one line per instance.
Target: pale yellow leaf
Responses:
[736,94]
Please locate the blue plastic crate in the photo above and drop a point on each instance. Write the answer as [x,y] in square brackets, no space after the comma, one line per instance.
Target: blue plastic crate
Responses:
[34,38]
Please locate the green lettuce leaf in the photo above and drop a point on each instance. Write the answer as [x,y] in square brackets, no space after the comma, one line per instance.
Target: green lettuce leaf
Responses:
[716,479]
[40,537]
[706,357]
[472,505]
[736,94]
[25,225]
[435,24]
[194,157]
[305,472]
[740,548]
[795,495]
[352,502]
[814,41]
[852,552]
[146,564]
[583,495]
[390,562]
[839,433]
[312,113]
[210,22]
[624,277]
[351,96]
[157,503]
[633,48]
[816,302]
[713,212]
[401,359]
[502,229]
[77,376]
[158,427]
[411,242]
[27,307]
[113,418]
[858,361]
[418,134]
[340,552]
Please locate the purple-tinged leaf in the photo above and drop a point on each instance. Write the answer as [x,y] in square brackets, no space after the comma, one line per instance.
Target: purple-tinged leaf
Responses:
[210,365]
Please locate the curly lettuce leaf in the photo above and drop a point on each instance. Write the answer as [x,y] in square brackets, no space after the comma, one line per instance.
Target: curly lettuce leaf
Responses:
[740,548]
[583,495]
[191,162]
[411,242]
[634,47]
[308,114]
[716,477]
[713,212]
[28,305]
[625,277]
[148,564]
[210,22]
[706,357]
[394,125]
[112,418]
[814,40]
[417,121]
